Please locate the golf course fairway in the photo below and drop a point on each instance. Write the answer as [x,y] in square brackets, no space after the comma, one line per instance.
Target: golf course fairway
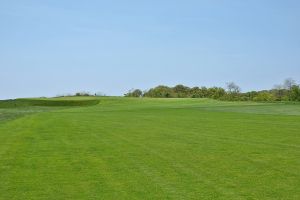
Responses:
[143,148]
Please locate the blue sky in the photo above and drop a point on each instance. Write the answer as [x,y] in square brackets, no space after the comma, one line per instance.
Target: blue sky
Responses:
[63,46]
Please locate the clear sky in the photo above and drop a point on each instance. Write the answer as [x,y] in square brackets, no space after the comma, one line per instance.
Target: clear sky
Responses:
[54,47]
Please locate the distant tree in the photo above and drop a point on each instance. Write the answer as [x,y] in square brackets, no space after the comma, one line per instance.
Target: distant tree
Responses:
[295,93]
[232,88]
[251,95]
[181,91]
[289,83]
[233,91]
[160,91]
[279,92]
[195,92]
[100,94]
[287,91]
[216,92]
[204,92]
[134,93]
[137,93]
[83,93]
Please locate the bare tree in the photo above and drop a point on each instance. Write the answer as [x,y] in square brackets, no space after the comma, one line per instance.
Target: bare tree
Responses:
[233,88]
[289,83]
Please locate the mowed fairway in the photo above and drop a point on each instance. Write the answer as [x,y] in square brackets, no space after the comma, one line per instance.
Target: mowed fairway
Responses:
[125,148]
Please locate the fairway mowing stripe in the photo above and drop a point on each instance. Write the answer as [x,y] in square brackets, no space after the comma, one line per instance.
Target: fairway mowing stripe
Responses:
[223,139]
[185,169]
[111,178]
[286,146]
[269,166]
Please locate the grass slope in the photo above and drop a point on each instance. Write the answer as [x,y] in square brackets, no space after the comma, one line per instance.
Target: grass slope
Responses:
[13,109]
[126,148]
[16,103]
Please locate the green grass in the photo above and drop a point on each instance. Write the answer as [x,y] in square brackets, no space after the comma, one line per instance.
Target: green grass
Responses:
[13,109]
[17,103]
[124,148]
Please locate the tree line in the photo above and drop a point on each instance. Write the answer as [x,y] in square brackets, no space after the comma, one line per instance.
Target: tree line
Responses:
[289,90]
[82,94]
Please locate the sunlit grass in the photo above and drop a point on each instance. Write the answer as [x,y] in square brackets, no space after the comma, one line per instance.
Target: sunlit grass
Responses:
[124,148]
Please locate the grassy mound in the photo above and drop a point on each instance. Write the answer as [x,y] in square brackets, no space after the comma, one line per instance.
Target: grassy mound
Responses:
[16,103]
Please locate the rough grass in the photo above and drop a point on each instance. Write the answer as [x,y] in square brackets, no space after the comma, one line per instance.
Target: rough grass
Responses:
[15,103]
[15,108]
[125,148]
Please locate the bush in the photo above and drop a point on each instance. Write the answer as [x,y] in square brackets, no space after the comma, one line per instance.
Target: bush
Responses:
[264,96]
